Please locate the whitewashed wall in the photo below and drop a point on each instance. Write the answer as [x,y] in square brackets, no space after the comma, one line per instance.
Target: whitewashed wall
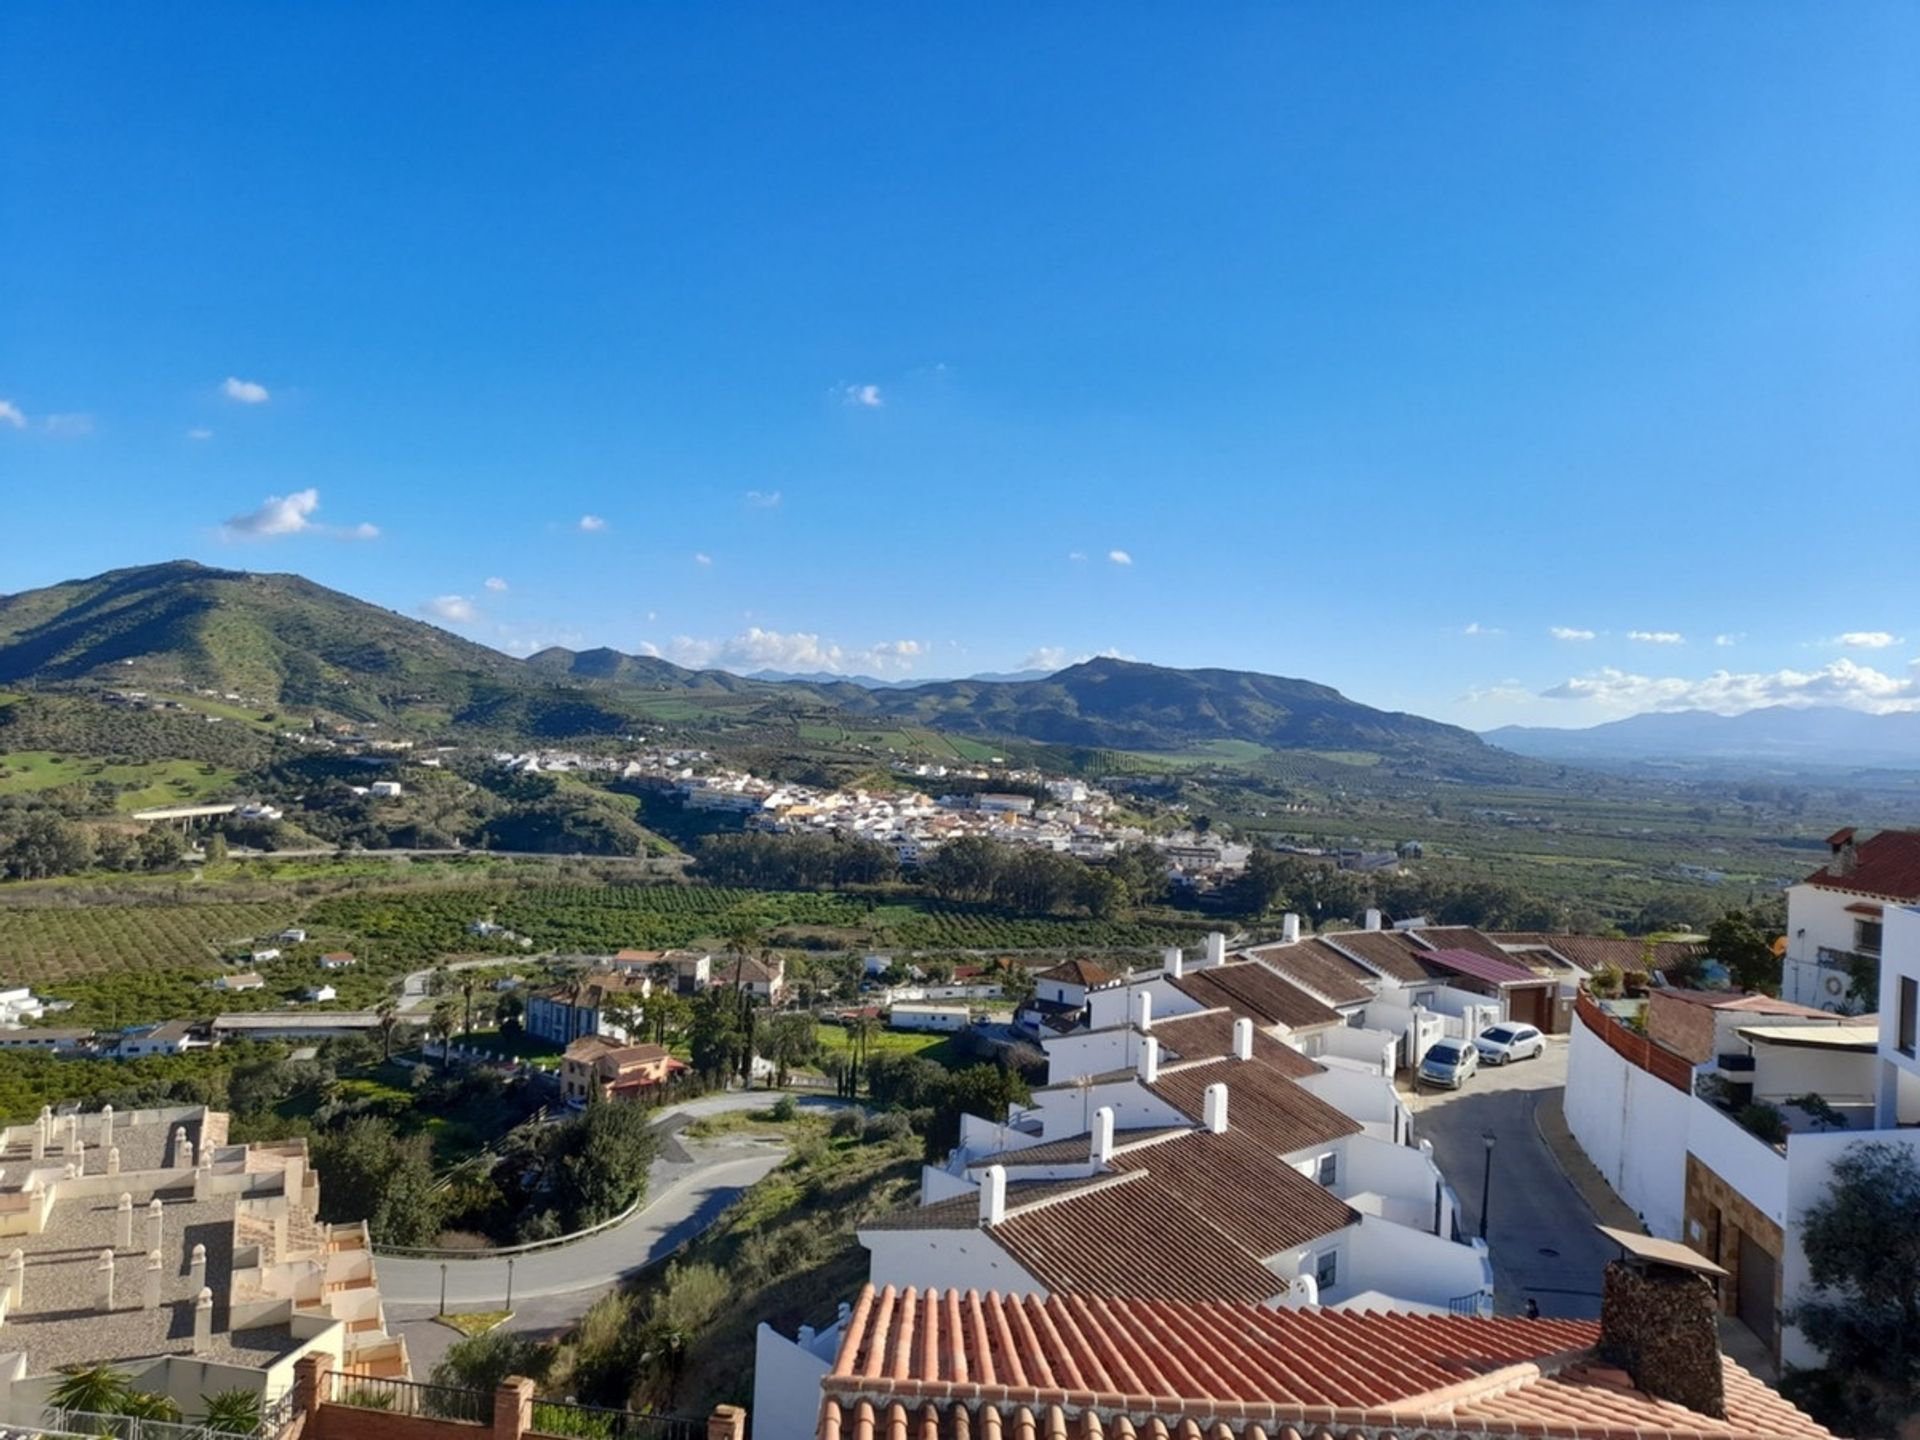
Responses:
[1633,1127]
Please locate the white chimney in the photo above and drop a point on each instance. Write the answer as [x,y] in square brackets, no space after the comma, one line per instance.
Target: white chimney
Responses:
[1373,919]
[125,1240]
[155,1215]
[150,1296]
[16,1278]
[113,1160]
[1143,1010]
[1172,962]
[79,1157]
[1150,1060]
[197,1265]
[104,1272]
[106,1124]
[1243,1039]
[184,1154]
[993,1196]
[1216,948]
[39,1140]
[1102,1135]
[202,1320]
[1214,1107]
[1290,928]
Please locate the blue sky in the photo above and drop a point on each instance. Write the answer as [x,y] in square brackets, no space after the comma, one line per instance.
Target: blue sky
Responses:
[1369,343]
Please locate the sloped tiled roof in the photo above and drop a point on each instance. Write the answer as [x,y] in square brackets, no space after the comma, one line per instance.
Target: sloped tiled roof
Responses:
[1259,1199]
[1887,865]
[1079,972]
[1262,1104]
[1074,1147]
[1388,951]
[1458,937]
[1319,968]
[942,1365]
[1475,966]
[1738,1000]
[1595,952]
[1253,989]
[1208,1035]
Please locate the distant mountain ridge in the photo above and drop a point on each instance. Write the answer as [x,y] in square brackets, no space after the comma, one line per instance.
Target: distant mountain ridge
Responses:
[1819,735]
[286,640]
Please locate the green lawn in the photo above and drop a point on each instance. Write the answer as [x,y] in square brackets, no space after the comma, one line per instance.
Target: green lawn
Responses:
[938,1048]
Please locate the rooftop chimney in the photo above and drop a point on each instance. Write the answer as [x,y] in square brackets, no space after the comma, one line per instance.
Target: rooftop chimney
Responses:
[1243,1039]
[1290,928]
[1660,1324]
[1214,1107]
[156,1216]
[104,1270]
[150,1291]
[1372,919]
[202,1320]
[1149,1064]
[993,1196]
[1216,948]
[1102,1150]
[125,1240]
[1143,1010]
[1173,962]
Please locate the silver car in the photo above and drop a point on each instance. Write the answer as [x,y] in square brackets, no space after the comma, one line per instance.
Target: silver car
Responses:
[1499,1044]
[1449,1063]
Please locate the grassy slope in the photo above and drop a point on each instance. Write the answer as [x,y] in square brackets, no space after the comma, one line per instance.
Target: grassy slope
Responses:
[158,782]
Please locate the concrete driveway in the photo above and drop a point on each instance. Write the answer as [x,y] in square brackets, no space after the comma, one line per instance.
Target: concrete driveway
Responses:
[691,1184]
[1540,1228]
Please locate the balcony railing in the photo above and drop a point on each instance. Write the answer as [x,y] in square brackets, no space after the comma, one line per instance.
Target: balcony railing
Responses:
[594,1422]
[412,1397]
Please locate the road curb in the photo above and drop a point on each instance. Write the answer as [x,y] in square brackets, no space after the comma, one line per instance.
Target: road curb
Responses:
[1549,1116]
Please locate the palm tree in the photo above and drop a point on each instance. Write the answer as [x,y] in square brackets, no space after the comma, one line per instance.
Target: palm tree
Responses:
[466,988]
[231,1412]
[389,1014]
[145,1405]
[440,1028]
[94,1389]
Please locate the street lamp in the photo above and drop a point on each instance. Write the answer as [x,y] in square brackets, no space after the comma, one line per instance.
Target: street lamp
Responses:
[443,1287]
[1486,1182]
[510,1281]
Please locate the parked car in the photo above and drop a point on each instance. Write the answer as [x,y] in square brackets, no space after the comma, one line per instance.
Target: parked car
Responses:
[1449,1063]
[1498,1044]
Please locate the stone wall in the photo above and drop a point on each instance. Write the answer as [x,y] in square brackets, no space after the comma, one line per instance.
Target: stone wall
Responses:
[1658,1323]
[1717,1216]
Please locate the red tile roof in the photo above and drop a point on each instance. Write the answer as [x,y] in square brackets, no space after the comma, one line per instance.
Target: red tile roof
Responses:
[1886,865]
[1592,952]
[1458,937]
[940,1365]
[1208,1035]
[1387,951]
[1318,968]
[1262,1104]
[1253,989]
[1476,966]
[1079,972]
[1739,1000]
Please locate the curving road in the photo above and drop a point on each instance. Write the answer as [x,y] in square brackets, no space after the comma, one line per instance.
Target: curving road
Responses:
[690,1186]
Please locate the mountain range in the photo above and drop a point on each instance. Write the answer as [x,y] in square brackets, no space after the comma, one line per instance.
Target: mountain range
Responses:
[1777,734]
[285,640]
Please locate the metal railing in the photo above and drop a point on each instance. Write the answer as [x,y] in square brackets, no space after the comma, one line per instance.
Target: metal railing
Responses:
[1478,1304]
[56,1421]
[595,1422]
[411,1397]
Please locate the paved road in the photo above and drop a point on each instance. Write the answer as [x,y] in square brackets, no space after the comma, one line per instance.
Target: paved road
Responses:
[691,1184]
[413,989]
[1540,1228]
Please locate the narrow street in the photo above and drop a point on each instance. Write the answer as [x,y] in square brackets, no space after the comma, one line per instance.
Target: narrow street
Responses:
[1539,1228]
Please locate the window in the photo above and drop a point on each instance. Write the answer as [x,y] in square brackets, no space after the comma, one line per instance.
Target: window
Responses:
[1327,1170]
[1866,936]
[1326,1271]
[1909,1014]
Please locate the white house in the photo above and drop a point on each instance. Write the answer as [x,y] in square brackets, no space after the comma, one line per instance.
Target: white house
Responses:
[264,955]
[247,981]
[337,960]
[1835,916]
[942,1018]
[319,994]
[385,789]
[17,1006]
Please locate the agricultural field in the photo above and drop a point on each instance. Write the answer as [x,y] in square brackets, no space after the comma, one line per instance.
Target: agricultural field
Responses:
[152,783]
[44,945]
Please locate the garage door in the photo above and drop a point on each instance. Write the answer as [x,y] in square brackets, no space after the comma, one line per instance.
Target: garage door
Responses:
[1756,1289]
[1526,1007]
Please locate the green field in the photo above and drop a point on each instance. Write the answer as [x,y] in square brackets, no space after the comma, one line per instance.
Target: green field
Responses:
[153,783]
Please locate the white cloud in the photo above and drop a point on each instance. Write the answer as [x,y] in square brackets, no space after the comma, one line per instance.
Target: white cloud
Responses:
[1568,632]
[456,609]
[68,425]
[246,392]
[700,557]
[1726,642]
[866,396]
[1077,556]
[1119,557]
[1047,657]
[10,414]
[496,584]
[592,524]
[280,515]
[1657,637]
[1866,640]
[757,649]
[763,499]
[199,432]
[1844,682]
[1474,627]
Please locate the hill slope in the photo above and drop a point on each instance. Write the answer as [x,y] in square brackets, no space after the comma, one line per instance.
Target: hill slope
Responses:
[1814,735]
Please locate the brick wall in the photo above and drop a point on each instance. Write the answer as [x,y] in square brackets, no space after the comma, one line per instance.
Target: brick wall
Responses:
[1682,1027]
[1722,1215]
[1635,1048]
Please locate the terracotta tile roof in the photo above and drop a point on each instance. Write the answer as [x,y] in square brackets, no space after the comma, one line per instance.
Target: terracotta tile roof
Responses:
[1208,1035]
[1387,951]
[1255,990]
[940,1365]
[1593,952]
[1318,968]
[1459,937]
[1475,966]
[1737,1000]
[1262,1104]
[1079,972]
[1887,865]
[1259,1199]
